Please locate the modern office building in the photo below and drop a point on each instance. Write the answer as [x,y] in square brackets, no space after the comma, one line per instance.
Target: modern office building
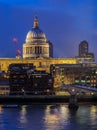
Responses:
[40,82]
[84,56]
[83,48]
[65,73]
[25,79]
[18,77]
[88,77]
[74,74]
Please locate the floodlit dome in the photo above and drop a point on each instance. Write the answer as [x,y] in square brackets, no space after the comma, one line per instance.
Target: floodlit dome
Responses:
[36,44]
[35,34]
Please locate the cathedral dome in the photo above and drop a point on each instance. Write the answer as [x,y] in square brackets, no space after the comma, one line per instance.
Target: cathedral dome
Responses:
[36,44]
[35,34]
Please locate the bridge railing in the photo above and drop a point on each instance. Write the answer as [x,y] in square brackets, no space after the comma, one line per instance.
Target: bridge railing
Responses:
[89,88]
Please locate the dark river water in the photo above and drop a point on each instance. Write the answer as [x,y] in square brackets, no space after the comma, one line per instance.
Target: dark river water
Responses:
[49,117]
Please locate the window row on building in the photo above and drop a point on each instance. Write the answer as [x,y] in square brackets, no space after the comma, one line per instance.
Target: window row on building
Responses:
[24,79]
[74,74]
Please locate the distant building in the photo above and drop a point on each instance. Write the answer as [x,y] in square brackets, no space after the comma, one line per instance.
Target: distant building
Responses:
[90,55]
[85,57]
[83,49]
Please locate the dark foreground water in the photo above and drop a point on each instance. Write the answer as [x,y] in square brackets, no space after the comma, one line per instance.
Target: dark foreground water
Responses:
[48,117]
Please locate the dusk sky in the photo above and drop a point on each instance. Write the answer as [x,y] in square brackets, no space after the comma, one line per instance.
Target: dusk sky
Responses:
[65,22]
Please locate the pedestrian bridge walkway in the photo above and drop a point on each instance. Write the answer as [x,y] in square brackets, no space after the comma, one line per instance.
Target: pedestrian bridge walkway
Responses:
[86,87]
[74,89]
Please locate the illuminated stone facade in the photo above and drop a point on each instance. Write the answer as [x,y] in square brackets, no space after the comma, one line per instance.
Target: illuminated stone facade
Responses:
[40,63]
[36,44]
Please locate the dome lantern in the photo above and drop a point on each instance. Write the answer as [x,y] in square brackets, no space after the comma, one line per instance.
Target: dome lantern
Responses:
[35,34]
[36,22]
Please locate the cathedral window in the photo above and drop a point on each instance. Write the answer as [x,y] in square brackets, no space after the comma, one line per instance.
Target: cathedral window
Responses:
[38,50]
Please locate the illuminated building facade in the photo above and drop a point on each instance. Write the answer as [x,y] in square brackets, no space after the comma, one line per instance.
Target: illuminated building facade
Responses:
[65,73]
[74,74]
[40,63]
[36,43]
[87,77]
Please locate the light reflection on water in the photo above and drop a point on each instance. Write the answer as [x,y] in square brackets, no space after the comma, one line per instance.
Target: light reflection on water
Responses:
[55,117]
[93,115]
[48,117]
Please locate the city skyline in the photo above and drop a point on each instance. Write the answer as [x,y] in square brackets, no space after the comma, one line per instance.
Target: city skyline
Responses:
[75,21]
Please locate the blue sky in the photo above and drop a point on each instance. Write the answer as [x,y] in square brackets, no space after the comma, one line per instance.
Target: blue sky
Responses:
[65,22]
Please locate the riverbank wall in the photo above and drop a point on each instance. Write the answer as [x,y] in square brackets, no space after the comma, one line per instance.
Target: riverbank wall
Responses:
[29,99]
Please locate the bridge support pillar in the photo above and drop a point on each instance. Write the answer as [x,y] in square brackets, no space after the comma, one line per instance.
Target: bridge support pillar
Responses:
[73,104]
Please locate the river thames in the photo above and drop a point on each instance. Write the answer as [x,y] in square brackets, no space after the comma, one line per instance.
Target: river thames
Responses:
[48,117]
